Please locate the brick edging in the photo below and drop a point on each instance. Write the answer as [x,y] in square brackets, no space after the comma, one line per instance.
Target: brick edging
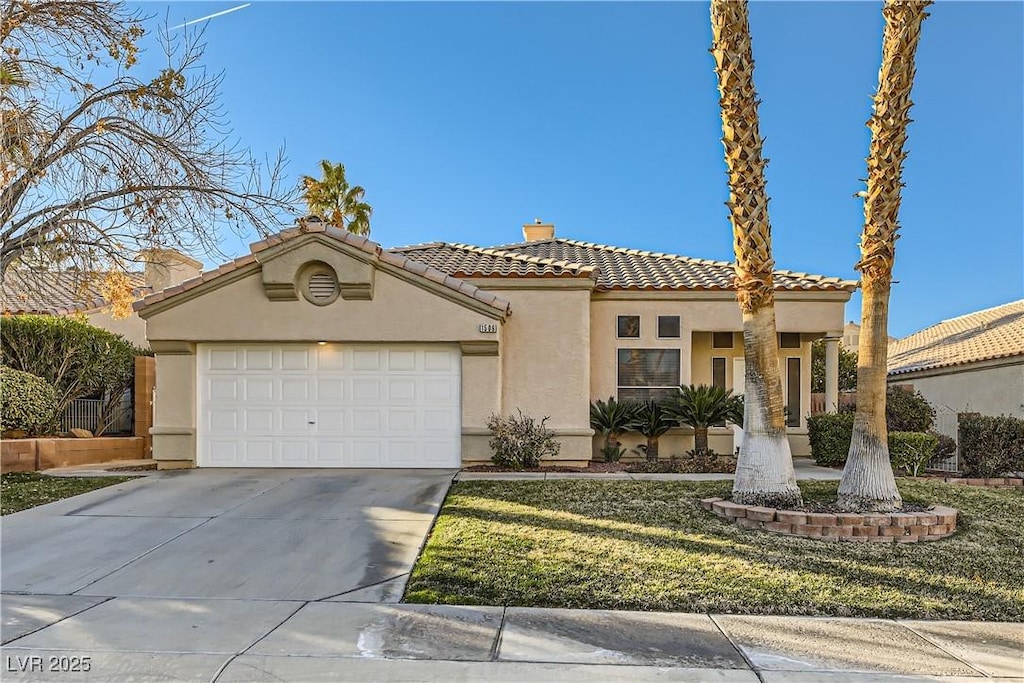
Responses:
[987,482]
[874,527]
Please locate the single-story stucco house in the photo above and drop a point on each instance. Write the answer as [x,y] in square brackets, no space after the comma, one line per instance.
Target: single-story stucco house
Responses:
[75,293]
[321,349]
[972,363]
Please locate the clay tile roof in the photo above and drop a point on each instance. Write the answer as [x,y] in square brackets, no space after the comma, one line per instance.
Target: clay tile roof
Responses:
[58,293]
[620,268]
[612,267]
[365,244]
[464,260]
[985,335]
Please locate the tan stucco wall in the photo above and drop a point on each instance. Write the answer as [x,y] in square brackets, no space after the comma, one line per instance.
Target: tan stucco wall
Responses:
[241,312]
[132,328]
[546,362]
[698,318]
[992,390]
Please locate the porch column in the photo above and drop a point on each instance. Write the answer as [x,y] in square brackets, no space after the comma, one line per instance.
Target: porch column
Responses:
[831,374]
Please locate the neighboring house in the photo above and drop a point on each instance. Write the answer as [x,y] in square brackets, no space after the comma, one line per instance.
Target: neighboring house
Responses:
[973,363]
[851,336]
[70,293]
[321,349]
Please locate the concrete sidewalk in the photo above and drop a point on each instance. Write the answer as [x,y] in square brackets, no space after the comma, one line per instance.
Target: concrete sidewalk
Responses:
[805,469]
[248,640]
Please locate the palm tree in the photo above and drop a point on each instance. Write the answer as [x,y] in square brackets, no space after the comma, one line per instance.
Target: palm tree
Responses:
[764,471]
[868,482]
[334,201]
[652,421]
[611,419]
[700,406]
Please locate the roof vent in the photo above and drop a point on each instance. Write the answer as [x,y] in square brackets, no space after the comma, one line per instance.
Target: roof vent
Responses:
[322,286]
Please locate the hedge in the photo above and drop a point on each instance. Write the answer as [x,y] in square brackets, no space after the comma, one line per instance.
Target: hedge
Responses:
[29,403]
[830,435]
[991,446]
[910,452]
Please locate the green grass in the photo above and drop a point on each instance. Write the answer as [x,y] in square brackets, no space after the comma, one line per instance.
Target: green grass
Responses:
[23,490]
[650,546]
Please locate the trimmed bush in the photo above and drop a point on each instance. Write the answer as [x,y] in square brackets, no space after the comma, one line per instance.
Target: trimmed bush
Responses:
[76,358]
[830,435]
[991,446]
[520,441]
[907,411]
[29,402]
[910,452]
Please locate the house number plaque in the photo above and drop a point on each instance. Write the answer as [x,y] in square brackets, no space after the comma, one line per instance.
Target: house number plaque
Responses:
[488,327]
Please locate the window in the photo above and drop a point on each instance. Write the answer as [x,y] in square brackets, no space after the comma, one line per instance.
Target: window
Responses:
[792,392]
[628,327]
[718,378]
[668,327]
[789,340]
[721,340]
[648,374]
[718,373]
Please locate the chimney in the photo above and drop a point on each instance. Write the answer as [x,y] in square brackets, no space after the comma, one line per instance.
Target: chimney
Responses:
[538,230]
[167,267]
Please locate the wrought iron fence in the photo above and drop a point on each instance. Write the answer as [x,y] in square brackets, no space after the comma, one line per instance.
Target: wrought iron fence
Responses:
[85,413]
[947,422]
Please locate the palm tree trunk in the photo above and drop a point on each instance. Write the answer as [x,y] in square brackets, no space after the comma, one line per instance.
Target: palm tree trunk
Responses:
[764,471]
[700,439]
[652,449]
[868,482]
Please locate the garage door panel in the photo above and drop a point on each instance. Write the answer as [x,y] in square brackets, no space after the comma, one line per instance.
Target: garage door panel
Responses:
[330,390]
[259,359]
[329,406]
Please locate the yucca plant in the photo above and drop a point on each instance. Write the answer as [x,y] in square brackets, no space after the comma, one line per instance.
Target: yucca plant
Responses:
[611,419]
[652,421]
[700,406]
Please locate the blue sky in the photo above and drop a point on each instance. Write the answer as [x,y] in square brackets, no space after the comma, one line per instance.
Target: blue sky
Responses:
[465,120]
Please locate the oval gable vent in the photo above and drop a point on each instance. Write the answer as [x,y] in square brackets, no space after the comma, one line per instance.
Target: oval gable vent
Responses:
[322,286]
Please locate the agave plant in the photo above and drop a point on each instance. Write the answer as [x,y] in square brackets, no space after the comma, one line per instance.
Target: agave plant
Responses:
[652,420]
[611,419]
[701,405]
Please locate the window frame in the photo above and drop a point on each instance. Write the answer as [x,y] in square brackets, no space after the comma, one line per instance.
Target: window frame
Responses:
[784,335]
[732,340]
[678,379]
[794,418]
[639,325]
[679,327]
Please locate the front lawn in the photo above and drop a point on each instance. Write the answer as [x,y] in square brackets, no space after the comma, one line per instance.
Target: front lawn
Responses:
[650,546]
[23,490]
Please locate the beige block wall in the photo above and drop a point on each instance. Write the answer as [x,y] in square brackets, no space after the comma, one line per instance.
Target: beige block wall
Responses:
[132,328]
[993,390]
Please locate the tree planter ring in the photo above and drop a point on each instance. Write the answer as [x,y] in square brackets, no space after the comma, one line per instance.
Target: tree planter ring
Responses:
[868,527]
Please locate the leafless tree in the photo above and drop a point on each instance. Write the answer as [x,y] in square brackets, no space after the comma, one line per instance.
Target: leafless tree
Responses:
[102,154]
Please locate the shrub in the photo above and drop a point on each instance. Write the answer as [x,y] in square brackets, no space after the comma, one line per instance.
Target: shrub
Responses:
[910,452]
[907,411]
[991,446]
[29,402]
[693,462]
[652,421]
[700,406]
[77,359]
[830,435]
[946,447]
[520,441]
[611,419]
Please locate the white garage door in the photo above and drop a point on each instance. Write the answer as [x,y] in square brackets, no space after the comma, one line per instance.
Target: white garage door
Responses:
[329,405]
